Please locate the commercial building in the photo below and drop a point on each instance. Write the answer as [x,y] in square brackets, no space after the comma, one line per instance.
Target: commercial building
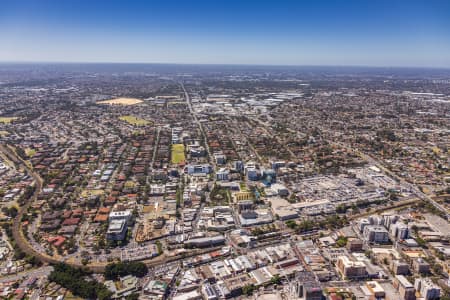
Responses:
[405,288]
[124,287]
[277,164]
[355,245]
[399,267]
[206,241]
[155,288]
[220,158]
[117,230]
[421,266]
[222,174]
[279,189]
[375,289]
[399,231]
[350,269]
[253,174]
[120,215]
[427,288]
[376,234]
[306,288]
[308,291]
[282,209]
[199,169]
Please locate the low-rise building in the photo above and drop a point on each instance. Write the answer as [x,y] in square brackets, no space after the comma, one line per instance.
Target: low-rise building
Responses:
[399,267]
[117,230]
[222,174]
[405,288]
[350,269]
[157,289]
[354,245]
[427,288]
[421,266]
[375,289]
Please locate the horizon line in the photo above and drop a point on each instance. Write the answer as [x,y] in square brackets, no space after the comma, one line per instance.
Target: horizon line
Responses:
[225,64]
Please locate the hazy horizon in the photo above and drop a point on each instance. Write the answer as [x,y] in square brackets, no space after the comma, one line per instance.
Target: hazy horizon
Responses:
[321,33]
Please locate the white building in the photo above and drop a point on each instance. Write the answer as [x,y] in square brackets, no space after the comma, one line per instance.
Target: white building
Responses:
[199,169]
[427,288]
[120,215]
[376,234]
[222,174]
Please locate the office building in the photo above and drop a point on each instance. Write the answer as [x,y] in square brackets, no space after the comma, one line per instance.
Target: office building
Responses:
[404,287]
[350,269]
[117,230]
[427,288]
[376,234]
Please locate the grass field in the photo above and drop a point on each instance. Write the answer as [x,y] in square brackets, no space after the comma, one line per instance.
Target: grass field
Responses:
[121,101]
[7,120]
[30,152]
[130,184]
[134,120]
[177,154]
[87,193]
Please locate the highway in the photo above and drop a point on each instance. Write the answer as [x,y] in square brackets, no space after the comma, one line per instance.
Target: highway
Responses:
[194,115]
[39,272]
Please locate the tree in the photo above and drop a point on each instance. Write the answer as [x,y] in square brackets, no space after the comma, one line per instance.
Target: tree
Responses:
[248,289]
[291,224]
[341,209]
[74,280]
[275,279]
[120,269]
[341,241]
[134,296]
[10,211]
[160,247]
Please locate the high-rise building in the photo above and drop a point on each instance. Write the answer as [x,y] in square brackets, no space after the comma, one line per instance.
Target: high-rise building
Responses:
[376,234]
[305,287]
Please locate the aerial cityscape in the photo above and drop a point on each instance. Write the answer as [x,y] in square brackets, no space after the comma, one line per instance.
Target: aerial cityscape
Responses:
[219,179]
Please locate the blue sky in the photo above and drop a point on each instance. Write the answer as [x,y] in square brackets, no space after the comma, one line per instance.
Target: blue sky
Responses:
[315,32]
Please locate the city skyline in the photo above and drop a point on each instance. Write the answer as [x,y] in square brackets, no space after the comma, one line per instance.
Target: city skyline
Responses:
[354,33]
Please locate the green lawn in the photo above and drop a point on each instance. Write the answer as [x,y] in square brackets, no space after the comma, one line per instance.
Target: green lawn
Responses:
[134,120]
[7,120]
[30,152]
[177,154]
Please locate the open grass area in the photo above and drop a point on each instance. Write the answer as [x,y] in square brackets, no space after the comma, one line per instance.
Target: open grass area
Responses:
[87,193]
[30,152]
[7,120]
[4,133]
[134,120]
[243,187]
[177,155]
[121,101]
[130,184]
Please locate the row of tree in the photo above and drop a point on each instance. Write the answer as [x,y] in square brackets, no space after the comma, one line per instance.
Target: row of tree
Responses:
[120,269]
[74,279]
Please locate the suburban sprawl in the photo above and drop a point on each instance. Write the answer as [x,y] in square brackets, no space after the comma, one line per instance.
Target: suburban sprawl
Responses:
[218,182]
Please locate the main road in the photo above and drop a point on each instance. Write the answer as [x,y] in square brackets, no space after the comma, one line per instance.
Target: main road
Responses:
[194,115]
